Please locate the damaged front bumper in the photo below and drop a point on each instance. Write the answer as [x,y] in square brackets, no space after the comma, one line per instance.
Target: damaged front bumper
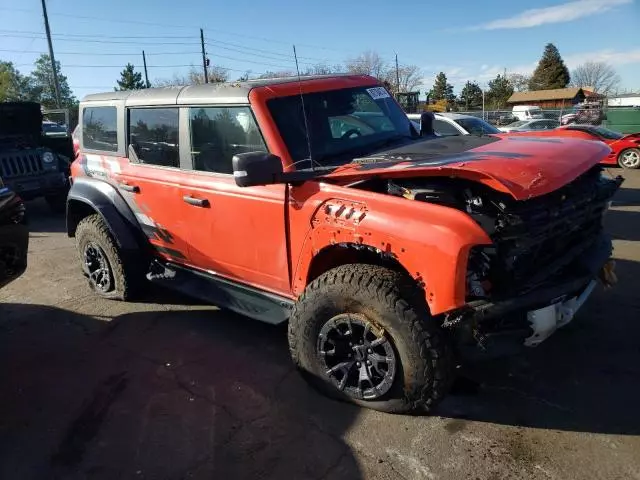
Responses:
[534,316]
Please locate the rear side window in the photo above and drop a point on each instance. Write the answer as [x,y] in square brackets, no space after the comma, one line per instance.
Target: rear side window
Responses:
[153,134]
[445,128]
[219,133]
[99,129]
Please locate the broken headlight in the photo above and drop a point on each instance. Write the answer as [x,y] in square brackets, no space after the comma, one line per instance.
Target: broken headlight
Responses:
[478,269]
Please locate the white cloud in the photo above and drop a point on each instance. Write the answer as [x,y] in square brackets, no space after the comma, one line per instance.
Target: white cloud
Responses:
[608,56]
[562,13]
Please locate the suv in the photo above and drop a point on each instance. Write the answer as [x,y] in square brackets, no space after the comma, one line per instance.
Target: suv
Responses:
[14,236]
[316,201]
[32,163]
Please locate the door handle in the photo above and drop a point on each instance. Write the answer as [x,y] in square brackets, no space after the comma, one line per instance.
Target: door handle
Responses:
[130,188]
[198,202]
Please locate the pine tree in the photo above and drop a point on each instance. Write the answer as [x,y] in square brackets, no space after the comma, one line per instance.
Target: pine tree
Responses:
[130,79]
[551,71]
[499,91]
[442,90]
[471,95]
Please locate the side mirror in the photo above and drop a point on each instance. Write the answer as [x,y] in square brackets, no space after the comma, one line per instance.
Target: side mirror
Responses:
[426,124]
[256,168]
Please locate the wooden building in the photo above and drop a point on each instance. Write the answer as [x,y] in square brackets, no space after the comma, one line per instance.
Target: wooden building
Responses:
[556,98]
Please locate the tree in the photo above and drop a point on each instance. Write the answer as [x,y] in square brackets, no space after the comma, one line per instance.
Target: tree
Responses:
[322,69]
[500,89]
[368,63]
[598,75]
[13,85]
[551,71]
[410,78]
[519,82]
[278,74]
[130,79]
[471,96]
[442,90]
[195,76]
[42,88]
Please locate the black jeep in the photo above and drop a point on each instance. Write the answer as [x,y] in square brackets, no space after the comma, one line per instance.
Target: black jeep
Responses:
[32,164]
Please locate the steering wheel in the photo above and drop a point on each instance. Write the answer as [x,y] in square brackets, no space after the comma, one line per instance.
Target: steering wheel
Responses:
[350,132]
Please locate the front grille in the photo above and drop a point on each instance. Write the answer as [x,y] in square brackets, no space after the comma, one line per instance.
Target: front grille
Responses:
[537,239]
[20,164]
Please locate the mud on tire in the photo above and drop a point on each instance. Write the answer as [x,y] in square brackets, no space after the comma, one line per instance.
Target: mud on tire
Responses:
[395,307]
[120,277]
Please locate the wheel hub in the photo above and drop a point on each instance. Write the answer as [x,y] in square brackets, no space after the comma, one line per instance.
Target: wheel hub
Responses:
[357,357]
[97,267]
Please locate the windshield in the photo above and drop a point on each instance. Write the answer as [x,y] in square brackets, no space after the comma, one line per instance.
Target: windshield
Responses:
[518,124]
[608,134]
[53,128]
[476,126]
[342,124]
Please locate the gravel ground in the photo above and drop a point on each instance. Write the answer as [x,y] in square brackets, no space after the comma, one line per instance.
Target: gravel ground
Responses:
[171,389]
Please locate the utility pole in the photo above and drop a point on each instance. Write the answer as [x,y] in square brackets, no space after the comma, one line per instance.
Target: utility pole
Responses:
[146,75]
[204,58]
[56,85]
[397,75]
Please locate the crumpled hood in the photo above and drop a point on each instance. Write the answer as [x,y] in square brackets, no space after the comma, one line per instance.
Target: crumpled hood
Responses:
[524,167]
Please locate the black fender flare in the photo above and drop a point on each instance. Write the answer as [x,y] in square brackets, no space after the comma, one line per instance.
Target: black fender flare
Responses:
[89,195]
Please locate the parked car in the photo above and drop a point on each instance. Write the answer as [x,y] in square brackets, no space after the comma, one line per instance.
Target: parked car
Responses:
[32,164]
[452,124]
[14,236]
[52,129]
[625,149]
[530,125]
[527,112]
[316,201]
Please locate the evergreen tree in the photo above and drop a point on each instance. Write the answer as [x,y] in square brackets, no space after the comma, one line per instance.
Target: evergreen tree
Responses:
[500,89]
[130,79]
[471,95]
[42,87]
[551,71]
[442,90]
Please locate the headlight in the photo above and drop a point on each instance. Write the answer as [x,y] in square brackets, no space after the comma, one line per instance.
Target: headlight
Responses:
[47,157]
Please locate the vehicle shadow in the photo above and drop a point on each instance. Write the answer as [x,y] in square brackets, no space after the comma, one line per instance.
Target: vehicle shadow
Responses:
[626,197]
[623,224]
[583,378]
[42,219]
[169,394]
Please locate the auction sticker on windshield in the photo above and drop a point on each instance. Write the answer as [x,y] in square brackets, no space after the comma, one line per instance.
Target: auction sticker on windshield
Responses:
[378,92]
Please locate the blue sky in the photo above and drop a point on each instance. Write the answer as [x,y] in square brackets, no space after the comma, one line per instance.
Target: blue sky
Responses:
[468,41]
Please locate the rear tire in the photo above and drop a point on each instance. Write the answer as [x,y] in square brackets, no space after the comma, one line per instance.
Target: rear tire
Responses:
[629,158]
[338,307]
[108,273]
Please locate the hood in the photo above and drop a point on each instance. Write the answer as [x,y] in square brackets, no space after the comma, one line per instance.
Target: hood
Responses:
[20,118]
[523,167]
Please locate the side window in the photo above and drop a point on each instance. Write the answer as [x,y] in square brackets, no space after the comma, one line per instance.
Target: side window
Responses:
[219,133]
[153,134]
[444,128]
[99,129]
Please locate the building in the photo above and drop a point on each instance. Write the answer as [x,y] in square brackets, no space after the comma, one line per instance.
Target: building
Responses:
[556,98]
[624,100]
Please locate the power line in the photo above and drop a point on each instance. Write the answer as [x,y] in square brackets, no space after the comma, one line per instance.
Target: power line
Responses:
[91,54]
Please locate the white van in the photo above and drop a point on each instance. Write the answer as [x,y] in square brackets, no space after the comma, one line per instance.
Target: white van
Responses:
[527,112]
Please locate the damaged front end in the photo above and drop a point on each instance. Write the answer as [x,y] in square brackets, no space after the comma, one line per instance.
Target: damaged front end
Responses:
[546,257]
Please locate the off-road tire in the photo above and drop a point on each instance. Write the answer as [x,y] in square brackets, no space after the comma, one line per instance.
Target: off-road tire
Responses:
[625,151]
[57,203]
[125,273]
[390,300]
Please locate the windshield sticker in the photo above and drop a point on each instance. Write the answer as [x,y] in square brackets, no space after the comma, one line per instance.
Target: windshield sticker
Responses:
[378,92]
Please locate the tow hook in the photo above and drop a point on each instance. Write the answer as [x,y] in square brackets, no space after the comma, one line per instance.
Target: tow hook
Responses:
[608,275]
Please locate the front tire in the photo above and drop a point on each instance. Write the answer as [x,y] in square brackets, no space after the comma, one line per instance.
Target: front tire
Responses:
[107,272]
[629,158]
[363,334]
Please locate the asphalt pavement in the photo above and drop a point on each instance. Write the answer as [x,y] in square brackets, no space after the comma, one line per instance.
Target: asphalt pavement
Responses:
[169,388]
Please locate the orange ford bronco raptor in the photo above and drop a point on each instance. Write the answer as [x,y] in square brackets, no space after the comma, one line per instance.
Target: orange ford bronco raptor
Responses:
[316,201]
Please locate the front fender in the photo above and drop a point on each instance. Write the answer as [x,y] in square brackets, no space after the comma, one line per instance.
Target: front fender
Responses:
[431,242]
[90,194]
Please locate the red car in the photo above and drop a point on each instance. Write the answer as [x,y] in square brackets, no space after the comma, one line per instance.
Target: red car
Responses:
[625,149]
